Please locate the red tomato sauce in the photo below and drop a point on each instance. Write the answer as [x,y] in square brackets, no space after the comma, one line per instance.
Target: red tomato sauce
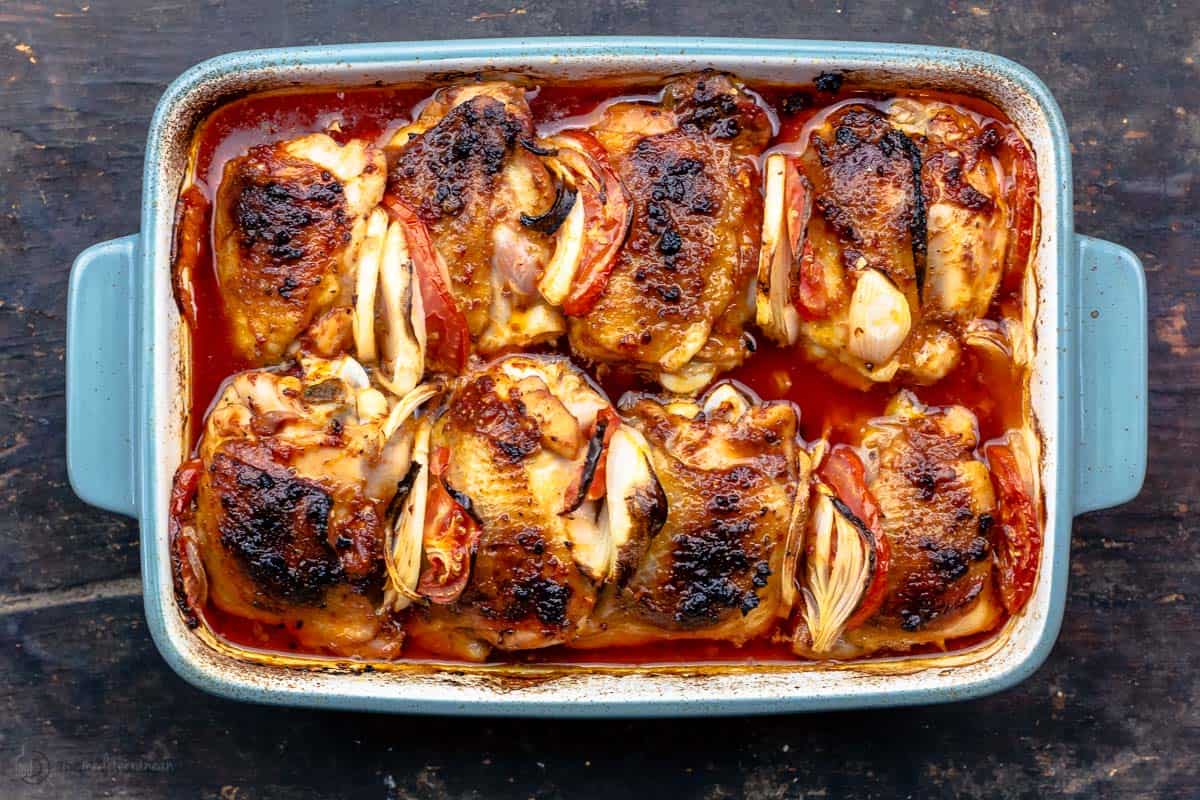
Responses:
[829,409]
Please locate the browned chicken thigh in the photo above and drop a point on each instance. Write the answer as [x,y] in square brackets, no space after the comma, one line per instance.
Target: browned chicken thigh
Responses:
[294,476]
[886,237]
[899,549]
[707,556]
[514,560]
[467,172]
[287,224]
[678,295]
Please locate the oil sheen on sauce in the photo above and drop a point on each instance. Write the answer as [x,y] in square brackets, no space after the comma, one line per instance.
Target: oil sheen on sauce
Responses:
[829,409]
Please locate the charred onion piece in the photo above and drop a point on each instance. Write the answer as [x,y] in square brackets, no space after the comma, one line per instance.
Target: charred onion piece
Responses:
[636,508]
[552,218]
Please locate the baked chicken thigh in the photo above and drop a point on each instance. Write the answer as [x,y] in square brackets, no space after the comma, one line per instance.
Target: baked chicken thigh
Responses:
[281,518]
[886,237]
[679,291]
[907,544]
[288,221]
[711,524]
[468,177]
[512,549]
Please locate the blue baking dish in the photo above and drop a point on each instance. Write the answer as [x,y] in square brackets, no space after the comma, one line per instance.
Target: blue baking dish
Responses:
[126,384]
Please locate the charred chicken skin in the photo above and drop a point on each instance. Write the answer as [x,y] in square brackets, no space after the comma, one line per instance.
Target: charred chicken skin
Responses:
[905,543]
[705,534]
[886,237]
[467,172]
[281,517]
[516,565]
[288,221]
[678,296]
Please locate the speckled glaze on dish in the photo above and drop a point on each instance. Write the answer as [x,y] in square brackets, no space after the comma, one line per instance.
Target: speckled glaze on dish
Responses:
[126,367]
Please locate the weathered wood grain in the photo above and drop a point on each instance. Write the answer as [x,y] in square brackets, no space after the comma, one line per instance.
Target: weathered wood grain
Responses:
[89,708]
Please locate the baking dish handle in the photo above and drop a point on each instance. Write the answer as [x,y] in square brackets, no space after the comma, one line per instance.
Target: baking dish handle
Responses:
[99,375]
[1111,334]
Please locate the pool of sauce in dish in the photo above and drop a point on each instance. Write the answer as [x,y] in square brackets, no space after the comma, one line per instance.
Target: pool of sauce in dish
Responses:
[830,409]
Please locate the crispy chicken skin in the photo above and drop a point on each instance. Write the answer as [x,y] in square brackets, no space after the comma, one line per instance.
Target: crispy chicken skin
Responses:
[907,219]
[678,296]
[937,508]
[514,434]
[291,499]
[287,222]
[467,170]
[732,473]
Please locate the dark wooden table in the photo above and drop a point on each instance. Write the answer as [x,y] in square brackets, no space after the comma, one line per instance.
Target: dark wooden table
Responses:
[90,709]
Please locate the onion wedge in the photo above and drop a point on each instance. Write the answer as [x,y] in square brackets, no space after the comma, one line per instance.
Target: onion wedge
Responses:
[366,280]
[591,235]
[404,314]
[843,471]
[449,340]
[879,318]
[786,210]
[408,405]
[404,539]
[636,505]
[839,567]
[794,543]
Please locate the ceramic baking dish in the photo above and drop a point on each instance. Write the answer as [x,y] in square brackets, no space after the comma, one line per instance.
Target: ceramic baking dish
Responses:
[126,398]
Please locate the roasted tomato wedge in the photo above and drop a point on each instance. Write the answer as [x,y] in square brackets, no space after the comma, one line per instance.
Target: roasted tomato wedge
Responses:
[449,341]
[1024,201]
[812,295]
[451,533]
[191,581]
[606,213]
[1017,541]
[183,489]
[843,471]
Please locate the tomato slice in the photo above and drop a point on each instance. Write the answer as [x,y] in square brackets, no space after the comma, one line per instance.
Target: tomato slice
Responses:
[608,211]
[449,340]
[798,201]
[844,472]
[1013,151]
[183,488]
[191,584]
[1016,549]
[451,534]
[812,297]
